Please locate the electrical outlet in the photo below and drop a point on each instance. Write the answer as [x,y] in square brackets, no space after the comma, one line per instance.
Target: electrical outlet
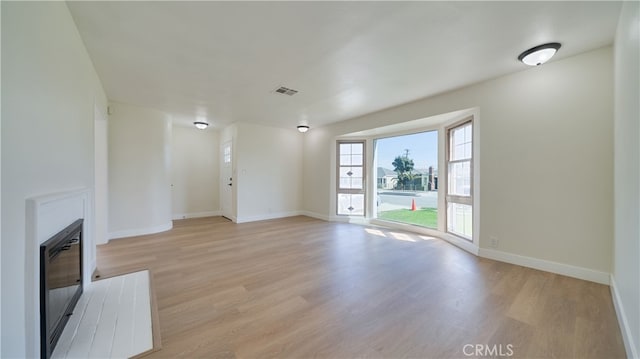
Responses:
[494,242]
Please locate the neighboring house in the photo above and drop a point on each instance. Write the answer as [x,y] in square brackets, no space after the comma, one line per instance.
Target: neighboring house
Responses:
[423,179]
[428,179]
[386,178]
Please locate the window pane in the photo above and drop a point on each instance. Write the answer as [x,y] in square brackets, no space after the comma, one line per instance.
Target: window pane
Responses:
[357,148]
[350,172]
[351,204]
[227,154]
[345,149]
[460,142]
[458,136]
[412,200]
[350,178]
[459,218]
[460,178]
[350,183]
[460,215]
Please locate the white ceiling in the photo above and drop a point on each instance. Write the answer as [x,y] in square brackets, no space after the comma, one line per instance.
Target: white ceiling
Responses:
[223,60]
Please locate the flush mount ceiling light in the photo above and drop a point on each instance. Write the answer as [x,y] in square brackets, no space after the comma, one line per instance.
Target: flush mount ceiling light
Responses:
[303,128]
[201,125]
[540,54]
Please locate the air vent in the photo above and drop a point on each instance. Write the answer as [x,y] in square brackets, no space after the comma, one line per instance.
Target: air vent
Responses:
[286,91]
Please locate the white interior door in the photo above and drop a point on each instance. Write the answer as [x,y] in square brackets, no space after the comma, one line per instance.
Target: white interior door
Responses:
[226,181]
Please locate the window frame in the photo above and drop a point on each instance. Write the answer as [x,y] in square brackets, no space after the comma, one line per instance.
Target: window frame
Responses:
[363,190]
[226,156]
[459,199]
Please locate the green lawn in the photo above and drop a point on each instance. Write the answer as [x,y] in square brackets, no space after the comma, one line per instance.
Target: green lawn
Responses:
[426,217]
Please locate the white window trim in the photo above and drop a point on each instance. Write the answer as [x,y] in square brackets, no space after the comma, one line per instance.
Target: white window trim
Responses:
[467,200]
[364,191]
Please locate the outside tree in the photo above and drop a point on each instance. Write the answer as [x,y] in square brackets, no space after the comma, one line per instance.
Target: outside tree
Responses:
[403,166]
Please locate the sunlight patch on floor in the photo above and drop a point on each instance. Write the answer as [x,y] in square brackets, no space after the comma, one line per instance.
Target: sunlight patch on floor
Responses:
[402,237]
[375,232]
[427,238]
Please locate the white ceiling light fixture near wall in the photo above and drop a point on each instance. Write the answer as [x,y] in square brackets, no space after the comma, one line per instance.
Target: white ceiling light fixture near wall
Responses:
[201,125]
[538,55]
[303,128]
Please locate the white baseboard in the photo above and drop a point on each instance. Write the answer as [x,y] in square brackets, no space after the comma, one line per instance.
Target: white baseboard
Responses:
[196,215]
[629,345]
[462,243]
[530,262]
[264,217]
[315,215]
[353,220]
[140,231]
[341,219]
[547,266]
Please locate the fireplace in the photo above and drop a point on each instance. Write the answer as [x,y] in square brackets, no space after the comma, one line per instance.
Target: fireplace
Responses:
[60,283]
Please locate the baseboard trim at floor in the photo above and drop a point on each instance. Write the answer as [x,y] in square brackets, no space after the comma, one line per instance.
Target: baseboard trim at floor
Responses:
[140,231]
[180,216]
[547,266]
[264,217]
[315,215]
[629,345]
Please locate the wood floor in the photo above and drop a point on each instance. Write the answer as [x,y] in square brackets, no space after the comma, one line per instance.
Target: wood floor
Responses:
[300,288]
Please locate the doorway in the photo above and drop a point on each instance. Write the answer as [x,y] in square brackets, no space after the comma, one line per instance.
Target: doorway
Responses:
[226,181]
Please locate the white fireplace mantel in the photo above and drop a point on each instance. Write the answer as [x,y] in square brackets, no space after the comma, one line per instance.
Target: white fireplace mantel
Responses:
[46,216]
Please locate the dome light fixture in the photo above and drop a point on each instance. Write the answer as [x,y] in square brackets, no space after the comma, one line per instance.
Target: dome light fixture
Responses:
[303,128]
[540,54]
[201,125]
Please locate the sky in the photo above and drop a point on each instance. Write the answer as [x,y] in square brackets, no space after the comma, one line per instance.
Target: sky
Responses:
[423,149]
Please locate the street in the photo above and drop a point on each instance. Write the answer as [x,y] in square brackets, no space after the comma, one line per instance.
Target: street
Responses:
[390,200]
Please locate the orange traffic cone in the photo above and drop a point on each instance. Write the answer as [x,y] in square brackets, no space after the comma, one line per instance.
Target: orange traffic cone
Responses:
[413,204]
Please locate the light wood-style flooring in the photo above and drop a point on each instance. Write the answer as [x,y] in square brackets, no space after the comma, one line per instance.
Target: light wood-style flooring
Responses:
[300,287]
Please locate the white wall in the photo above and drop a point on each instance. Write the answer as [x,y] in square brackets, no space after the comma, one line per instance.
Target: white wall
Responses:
[101,176]
[269,172]
[49,85]
[194,172]
[139,171]
[0,194]
[317,171]
[626,263]
[547,149]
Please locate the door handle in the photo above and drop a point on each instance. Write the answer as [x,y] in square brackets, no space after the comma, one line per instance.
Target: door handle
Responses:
[230,184]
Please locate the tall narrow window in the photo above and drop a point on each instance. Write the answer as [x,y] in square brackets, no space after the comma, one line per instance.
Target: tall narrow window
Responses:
[227,153]
[460,179]
[350,181]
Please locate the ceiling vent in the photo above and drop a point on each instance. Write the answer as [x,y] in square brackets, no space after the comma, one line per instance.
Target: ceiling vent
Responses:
[286,91]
